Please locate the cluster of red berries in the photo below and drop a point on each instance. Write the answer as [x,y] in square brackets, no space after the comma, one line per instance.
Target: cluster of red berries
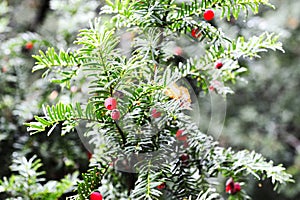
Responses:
[232,187]
[208,15]
[111,104]
[96,196]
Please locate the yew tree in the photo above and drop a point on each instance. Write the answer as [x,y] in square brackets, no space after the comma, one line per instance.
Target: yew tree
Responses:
[137,113]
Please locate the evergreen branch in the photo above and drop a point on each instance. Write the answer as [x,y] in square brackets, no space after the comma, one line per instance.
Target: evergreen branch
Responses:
[254,45]
[239,49]
[178,17]
[51,59]
[228,53]
[65,63]
[98,55]
[255,164]
[97,41]
[61,113]
[209,194]
[91,182]
[235,7]
[237,164]
[145,187]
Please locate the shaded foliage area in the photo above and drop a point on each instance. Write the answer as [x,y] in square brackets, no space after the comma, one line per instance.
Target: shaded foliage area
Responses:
[26,27]
[264,112]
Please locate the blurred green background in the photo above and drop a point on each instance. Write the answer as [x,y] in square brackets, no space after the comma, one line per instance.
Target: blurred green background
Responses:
[263,114]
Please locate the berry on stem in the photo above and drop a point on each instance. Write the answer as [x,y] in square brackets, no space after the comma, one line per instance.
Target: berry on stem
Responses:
[229,185]
[161,186]
[184,159]
[28,45]
[209,15]
[232,187]
[237,188]
[110,103]
[155,113]
[89,155]
[96,196]
[195,33]
[115,114]
[219,65]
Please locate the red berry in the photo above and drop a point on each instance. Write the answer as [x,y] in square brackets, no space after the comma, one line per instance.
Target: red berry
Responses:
[89,154]
[184,159]
[219,65]
[228,189]
[155,113]
[110,103]
[179,135]
[115,114]
[96,196]
[232,187]
[229,185]
[209,15]
[161,186]
[29,45]
[237,188]
[195,33]
[211,88]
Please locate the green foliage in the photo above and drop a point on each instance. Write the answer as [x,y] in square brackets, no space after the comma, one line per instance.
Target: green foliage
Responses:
[229,53]
[61,113]
[265,110]
[209,194]
[51,59]
[136,140]
[91,181]
[4,20]
[178,15]
[22,93]
[28,182]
